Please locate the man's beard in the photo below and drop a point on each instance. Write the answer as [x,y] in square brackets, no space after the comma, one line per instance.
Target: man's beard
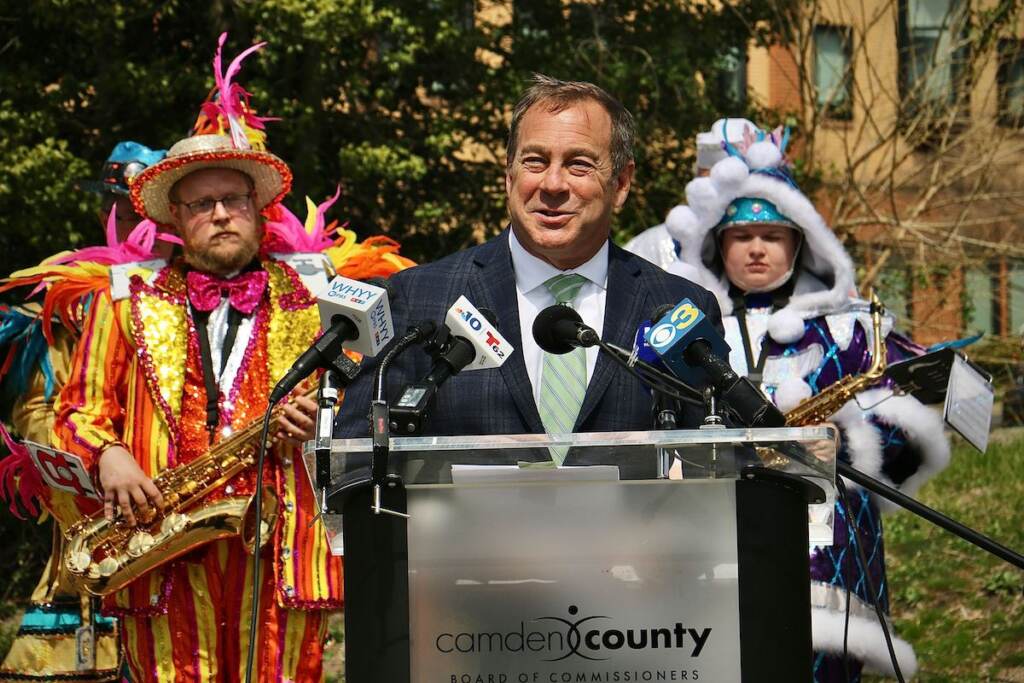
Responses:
[220,262]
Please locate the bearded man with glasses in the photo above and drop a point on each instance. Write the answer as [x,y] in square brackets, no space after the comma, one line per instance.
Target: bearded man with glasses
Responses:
[180,365]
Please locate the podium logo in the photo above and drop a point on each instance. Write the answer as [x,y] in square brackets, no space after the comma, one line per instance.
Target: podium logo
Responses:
[591,638]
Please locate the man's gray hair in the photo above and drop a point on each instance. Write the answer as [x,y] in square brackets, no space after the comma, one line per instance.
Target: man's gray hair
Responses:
[558,95]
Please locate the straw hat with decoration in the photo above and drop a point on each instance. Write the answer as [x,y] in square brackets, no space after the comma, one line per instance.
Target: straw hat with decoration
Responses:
[227,134]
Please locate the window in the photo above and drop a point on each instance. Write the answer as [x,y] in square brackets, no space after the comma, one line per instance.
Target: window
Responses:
[932,51]
[1016,296]
[732,81]
[833,75]
[1011,82]
[983,306]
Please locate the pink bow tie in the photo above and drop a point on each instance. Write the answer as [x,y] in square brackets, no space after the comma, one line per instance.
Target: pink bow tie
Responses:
[244,291]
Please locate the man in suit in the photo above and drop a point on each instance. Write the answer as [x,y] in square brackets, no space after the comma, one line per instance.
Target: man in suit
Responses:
[569,168]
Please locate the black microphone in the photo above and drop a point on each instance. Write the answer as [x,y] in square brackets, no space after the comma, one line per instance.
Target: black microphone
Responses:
[352,311]
[559,329]
[453,351]
[693,349]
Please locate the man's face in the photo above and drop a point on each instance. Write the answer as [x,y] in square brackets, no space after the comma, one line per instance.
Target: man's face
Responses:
[560,185]
[757,256]
[224,237]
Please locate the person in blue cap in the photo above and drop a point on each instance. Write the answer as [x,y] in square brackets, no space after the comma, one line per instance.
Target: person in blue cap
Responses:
[126,161]
[62,636]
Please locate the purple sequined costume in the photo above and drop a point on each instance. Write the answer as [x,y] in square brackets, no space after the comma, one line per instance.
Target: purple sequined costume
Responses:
[814,333]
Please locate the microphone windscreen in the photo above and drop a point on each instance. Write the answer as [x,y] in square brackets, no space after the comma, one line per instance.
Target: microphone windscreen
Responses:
[661,311]
[555,327]
[643,350]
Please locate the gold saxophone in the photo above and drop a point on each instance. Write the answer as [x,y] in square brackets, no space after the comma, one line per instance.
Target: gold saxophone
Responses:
[102,557]
[818,409]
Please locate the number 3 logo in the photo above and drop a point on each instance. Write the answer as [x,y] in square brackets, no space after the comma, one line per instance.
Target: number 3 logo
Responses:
[685,315]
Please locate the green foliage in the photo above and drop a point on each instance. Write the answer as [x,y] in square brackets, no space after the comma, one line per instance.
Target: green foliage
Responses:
[404,103]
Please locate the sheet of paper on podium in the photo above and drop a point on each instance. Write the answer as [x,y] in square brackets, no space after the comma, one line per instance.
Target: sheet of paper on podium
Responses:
[530,472]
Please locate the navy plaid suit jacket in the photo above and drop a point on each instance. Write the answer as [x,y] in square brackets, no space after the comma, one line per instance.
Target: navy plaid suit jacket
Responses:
[500,401]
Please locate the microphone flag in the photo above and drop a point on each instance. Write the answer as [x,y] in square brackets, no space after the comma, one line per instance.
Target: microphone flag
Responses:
[365,305]
[684,325]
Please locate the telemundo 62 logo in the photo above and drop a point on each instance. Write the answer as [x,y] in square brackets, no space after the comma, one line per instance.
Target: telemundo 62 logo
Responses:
[675,323]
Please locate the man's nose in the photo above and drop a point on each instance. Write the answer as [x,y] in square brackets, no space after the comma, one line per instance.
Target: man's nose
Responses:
[220,212]
[554,181]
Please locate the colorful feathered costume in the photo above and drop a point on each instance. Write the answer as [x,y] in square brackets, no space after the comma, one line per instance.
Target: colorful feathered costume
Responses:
[138,379]
[39,340]
[810,332]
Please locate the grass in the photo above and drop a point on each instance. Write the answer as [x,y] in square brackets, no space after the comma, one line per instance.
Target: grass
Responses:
[961,608]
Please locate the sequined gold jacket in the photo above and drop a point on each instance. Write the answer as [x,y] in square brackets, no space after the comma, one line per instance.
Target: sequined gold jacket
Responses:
[136,378]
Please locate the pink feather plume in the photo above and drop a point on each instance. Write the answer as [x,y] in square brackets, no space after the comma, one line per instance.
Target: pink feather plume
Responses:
[289,235]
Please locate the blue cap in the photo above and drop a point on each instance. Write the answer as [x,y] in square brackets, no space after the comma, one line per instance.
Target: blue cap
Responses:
[752,211]
[127,160]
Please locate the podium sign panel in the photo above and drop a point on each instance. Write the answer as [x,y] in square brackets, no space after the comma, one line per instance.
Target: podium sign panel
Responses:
[622,581]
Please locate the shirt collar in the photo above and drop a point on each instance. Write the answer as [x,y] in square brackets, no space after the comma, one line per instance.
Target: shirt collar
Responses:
[532,272]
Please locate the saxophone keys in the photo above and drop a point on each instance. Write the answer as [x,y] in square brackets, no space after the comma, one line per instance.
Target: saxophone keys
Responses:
[78,562]
[174,523]
[107,566]
[139,544]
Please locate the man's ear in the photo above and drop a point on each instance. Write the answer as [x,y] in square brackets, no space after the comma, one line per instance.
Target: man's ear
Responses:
[623,181]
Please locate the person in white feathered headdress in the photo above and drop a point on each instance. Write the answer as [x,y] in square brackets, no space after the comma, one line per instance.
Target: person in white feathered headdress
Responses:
[794,324]
[656,244]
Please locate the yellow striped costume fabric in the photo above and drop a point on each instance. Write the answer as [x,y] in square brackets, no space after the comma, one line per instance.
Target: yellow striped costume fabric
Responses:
[137,378]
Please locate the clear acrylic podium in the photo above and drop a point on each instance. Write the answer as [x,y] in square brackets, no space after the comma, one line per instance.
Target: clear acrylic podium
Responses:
[676,555]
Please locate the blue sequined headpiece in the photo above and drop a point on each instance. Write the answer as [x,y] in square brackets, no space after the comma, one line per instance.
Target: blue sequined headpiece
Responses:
[753,210]
[126,161]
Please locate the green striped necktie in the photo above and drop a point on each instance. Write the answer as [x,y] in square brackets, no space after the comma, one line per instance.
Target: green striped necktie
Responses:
[563,377]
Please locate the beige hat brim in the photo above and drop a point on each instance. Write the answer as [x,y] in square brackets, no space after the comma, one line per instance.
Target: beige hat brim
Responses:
[150,190]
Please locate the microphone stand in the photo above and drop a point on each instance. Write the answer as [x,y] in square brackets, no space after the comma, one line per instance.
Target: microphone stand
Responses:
[380,419]
[327,398]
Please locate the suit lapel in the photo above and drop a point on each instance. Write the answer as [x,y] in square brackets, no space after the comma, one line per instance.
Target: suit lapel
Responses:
[625,305]
[494,285]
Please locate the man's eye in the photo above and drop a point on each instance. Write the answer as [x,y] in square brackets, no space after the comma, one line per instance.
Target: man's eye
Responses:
[534,162]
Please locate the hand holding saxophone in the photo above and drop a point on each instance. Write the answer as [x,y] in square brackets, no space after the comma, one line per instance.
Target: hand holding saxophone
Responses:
[124,483]
[297,420]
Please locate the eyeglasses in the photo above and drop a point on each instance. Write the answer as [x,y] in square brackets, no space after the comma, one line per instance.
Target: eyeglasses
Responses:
[233,203]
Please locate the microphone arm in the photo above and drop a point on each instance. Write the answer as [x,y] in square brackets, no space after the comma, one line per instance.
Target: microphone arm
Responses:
[658,379]
[930,514]
[739,395]
[380,420]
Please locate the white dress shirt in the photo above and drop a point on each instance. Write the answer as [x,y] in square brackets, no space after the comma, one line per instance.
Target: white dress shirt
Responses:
[217,330]
[533,297]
